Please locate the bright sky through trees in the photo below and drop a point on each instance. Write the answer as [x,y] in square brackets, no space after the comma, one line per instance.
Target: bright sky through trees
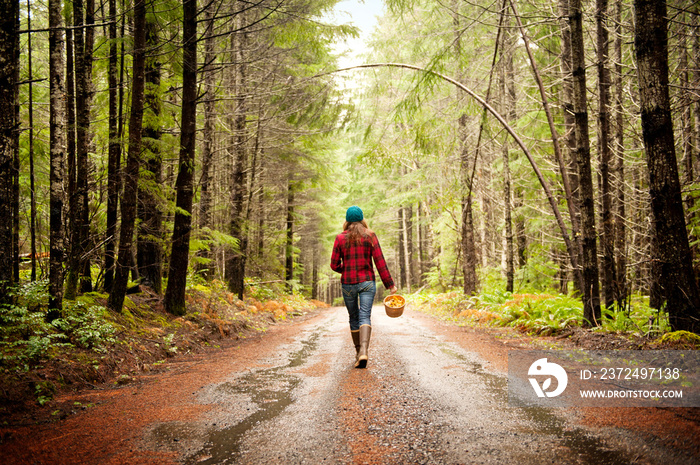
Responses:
[363,15]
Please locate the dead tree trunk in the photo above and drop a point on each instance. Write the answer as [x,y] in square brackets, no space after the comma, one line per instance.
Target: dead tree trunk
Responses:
[407,246]
[688,157]
[400,248]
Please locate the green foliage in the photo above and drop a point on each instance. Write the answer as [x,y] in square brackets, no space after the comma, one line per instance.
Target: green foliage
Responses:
[539,313]
[295,286]
[44,391]
[26,338]
[208,238]
[639,318]
[263,291]
[542,314]
[86,327]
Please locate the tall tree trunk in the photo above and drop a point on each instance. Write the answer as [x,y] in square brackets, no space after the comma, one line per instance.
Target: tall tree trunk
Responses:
[16,161]
[410,246]
[468,243]
[508,105]
[676,281]
[420,245]
[686,104]
[149,254]
[413,247]
[114,155]
[133,161]
[179,256]
[205,197]
[520,234]
[289,248]
[236,264]
[314,273]
[84,41]
[254,177]
[486,240]
[430,253]
[9,41]
[620,216]
[72,275]
[403,282]
[407,246]
[471,279]
[57,147]
[261,222]
[591,293]
[695,27]
[32,193]
[569,124]
[604,153]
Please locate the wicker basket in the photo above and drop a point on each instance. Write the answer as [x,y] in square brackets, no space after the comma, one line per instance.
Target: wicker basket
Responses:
[394,312]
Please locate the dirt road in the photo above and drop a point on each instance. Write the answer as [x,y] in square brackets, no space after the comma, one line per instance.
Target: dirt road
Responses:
[431,394]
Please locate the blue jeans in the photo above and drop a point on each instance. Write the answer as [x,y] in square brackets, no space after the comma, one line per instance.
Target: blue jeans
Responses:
[358,300]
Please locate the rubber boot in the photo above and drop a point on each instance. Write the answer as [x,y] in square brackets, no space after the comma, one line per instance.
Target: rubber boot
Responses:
[356,340]
[362,354]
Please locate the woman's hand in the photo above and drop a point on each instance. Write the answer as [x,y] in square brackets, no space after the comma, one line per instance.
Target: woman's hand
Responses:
[393,290]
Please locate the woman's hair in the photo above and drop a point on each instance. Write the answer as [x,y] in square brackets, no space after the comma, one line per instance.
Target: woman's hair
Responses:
[357,231]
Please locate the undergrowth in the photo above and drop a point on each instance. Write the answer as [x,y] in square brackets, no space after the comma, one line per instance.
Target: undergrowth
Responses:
[26,338]
[89,343]
[539,313]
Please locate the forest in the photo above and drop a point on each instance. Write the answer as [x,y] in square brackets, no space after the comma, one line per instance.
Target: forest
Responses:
[496,147]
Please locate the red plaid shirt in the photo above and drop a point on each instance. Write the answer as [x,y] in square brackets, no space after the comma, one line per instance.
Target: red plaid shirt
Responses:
[354,262]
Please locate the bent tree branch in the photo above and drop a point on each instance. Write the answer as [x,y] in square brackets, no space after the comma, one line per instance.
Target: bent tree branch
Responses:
[543,182]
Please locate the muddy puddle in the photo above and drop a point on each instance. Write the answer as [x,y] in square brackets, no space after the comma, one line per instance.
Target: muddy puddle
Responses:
[270,392]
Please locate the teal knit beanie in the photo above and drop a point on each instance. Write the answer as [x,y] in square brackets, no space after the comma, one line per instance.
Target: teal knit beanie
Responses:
[353,214]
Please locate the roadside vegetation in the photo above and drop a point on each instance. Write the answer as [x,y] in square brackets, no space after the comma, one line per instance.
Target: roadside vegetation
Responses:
[91,345]
[544,313]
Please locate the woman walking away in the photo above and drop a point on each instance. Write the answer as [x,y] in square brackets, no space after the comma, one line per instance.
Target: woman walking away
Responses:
[353,252]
